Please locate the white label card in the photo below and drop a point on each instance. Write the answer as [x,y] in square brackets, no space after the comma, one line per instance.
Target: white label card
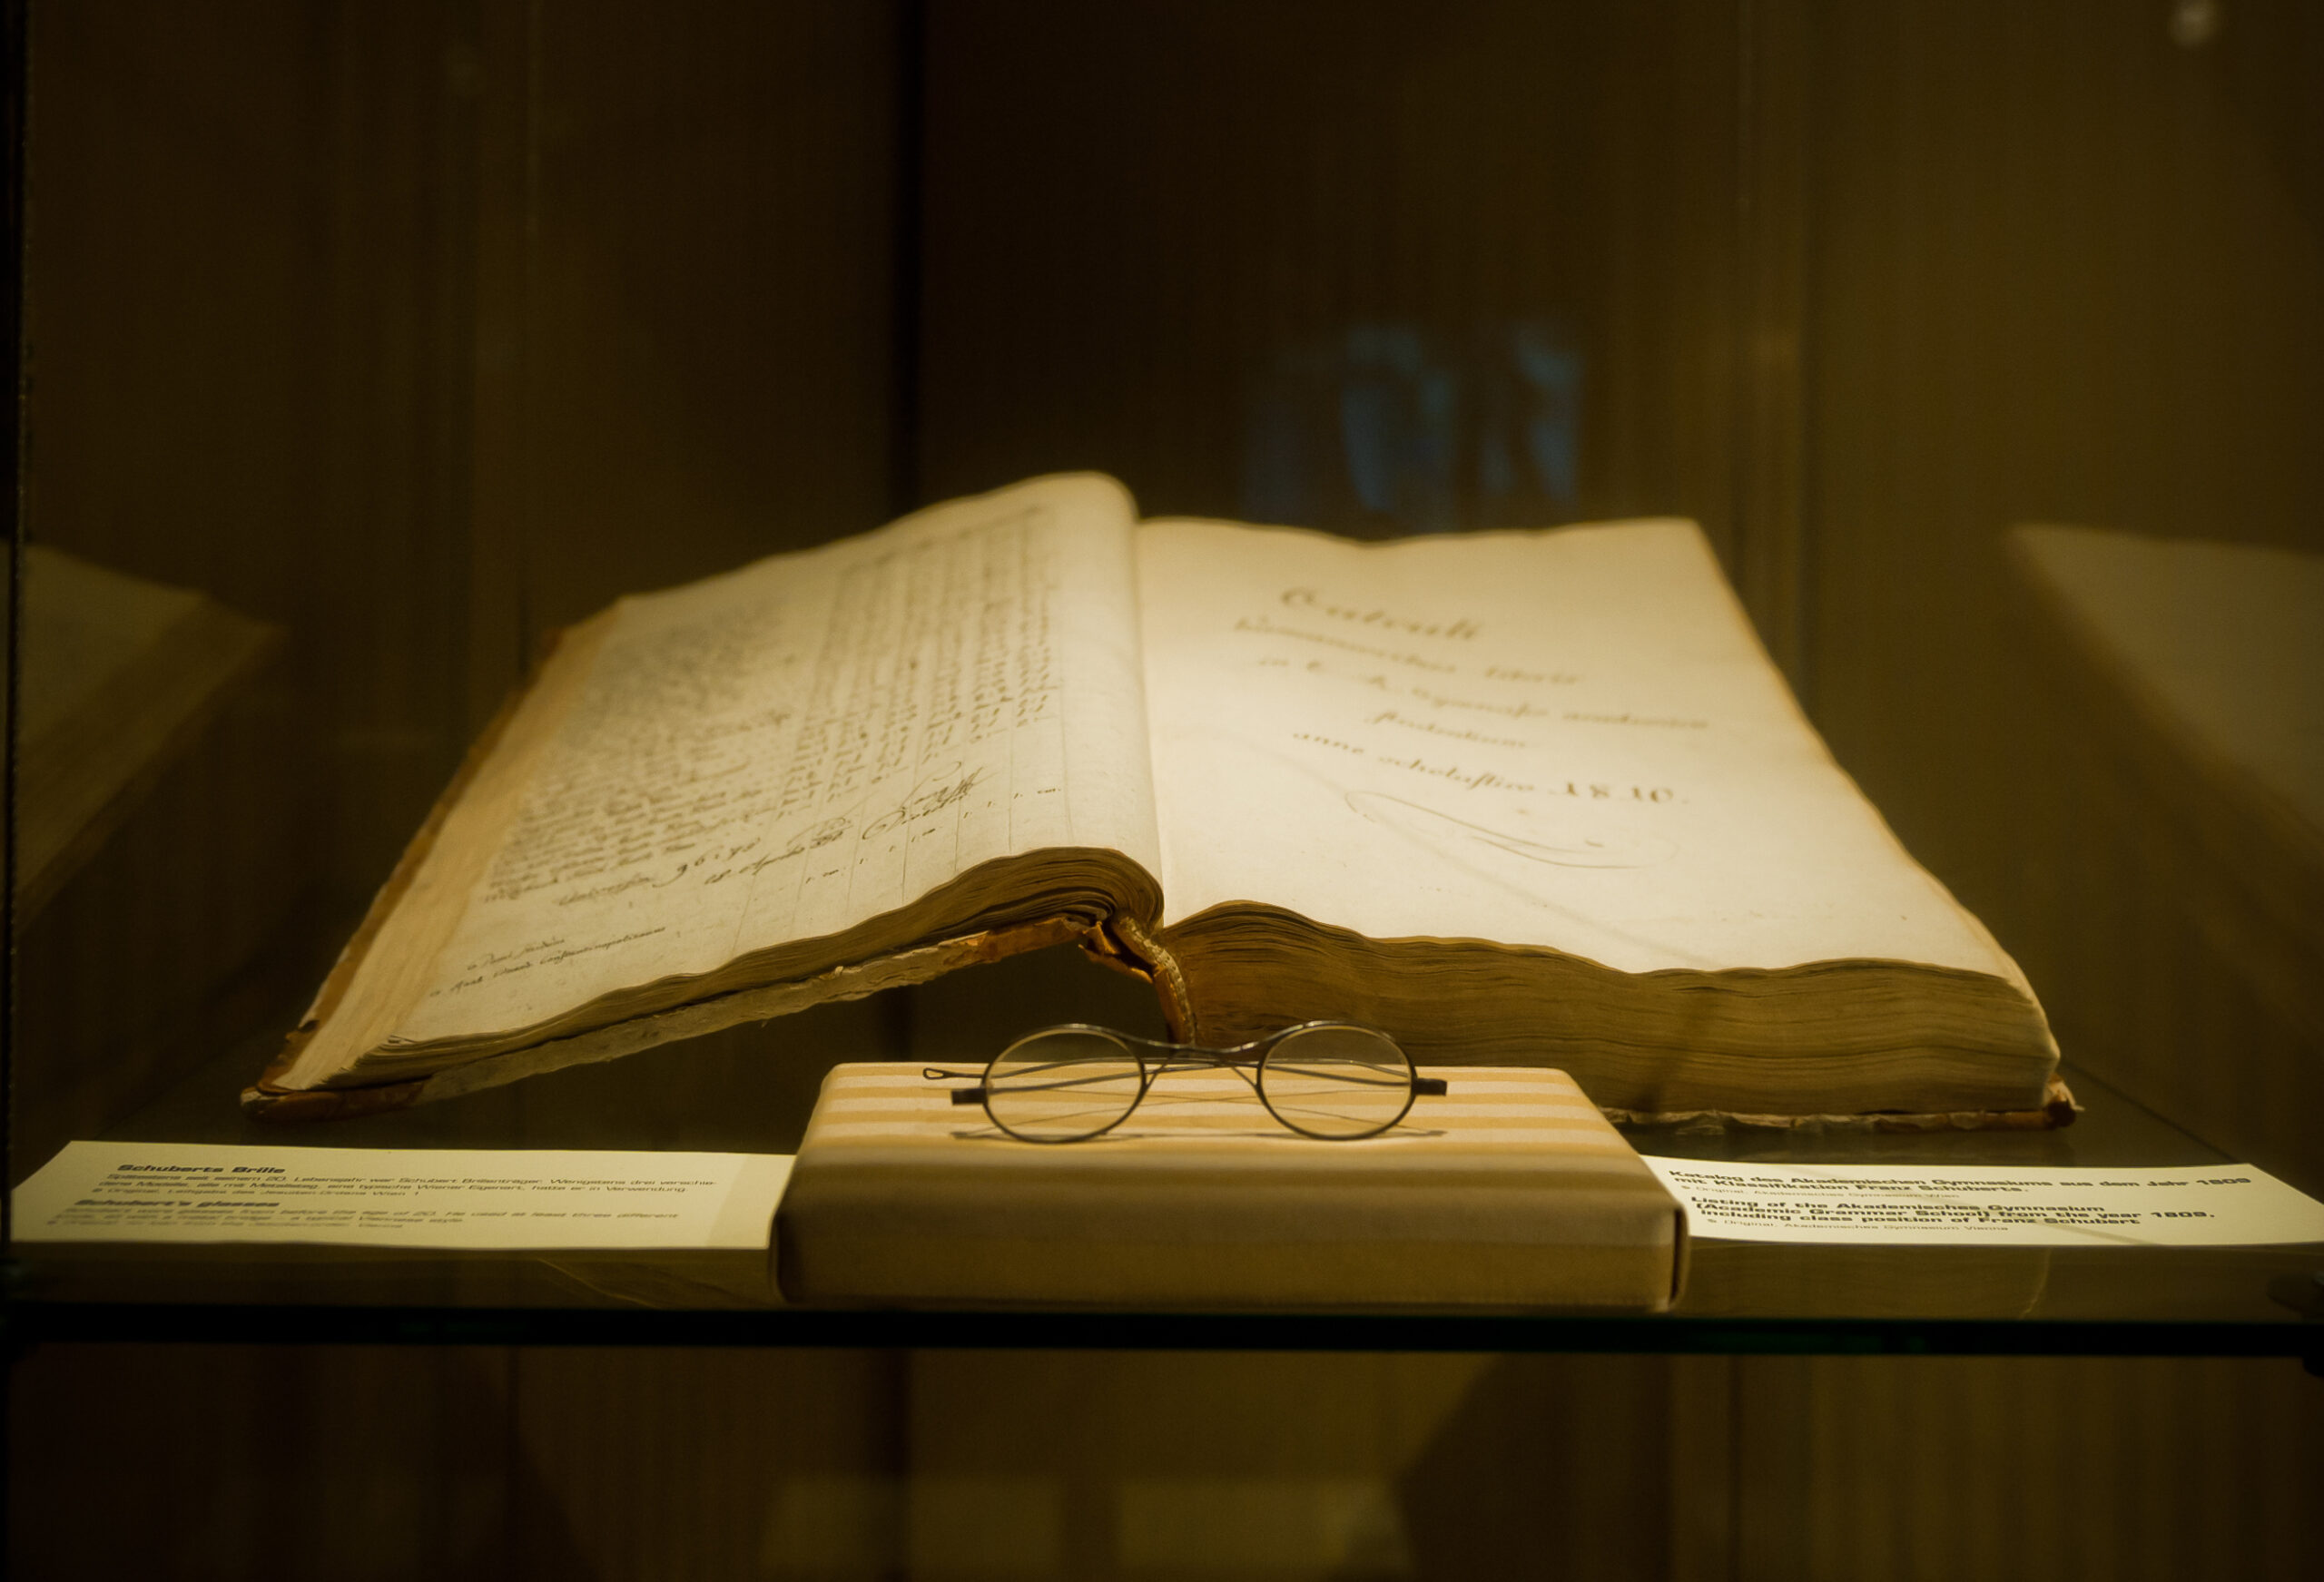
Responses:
[1991,1205]
[481,1198]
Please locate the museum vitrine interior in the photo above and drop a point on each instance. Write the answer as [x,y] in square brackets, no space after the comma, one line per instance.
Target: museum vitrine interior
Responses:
[369,352]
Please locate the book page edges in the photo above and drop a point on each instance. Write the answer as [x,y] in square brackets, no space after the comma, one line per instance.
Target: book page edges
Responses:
[2058,1108]
[269,1100]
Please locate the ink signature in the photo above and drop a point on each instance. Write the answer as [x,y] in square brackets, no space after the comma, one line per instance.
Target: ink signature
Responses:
[1445,833]
[933,794]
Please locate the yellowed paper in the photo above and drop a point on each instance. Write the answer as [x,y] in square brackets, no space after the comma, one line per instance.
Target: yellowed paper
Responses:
[476,1199]
[1568,739]
[786,751]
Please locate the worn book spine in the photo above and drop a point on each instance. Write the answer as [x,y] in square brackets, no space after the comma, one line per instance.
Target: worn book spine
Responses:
[1122,942]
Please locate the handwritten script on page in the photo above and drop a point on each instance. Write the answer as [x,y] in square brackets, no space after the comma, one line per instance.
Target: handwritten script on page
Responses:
[482,1199]
[1568,739]
[786,752]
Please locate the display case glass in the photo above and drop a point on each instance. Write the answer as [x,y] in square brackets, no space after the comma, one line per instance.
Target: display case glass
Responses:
[361,350]
[364,348]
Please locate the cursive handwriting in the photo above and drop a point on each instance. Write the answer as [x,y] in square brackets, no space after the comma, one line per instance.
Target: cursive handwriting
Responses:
[930,648]
[930,797]
[656,761]
[1667,721]
[1605,848]
[1314,602]
[1390,717]
[675,764]
[1261,623]
[568,955]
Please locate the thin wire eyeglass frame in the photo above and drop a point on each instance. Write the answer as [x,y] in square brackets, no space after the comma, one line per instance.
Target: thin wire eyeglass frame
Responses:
[1248,1061]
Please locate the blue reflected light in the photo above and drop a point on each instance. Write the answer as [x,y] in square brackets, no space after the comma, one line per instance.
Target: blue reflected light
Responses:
[1389,427]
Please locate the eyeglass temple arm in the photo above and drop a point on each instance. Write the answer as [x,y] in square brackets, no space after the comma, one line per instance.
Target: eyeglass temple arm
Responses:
[1423,1087]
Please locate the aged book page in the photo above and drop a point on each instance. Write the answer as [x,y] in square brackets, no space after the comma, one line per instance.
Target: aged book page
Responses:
[1564,739]
[1547,777]
[788,754]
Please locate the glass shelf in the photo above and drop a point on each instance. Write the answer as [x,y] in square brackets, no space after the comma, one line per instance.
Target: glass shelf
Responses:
[752,1093]
[455,326]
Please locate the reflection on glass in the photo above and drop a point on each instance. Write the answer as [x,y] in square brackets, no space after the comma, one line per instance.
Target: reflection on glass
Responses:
[1391,428]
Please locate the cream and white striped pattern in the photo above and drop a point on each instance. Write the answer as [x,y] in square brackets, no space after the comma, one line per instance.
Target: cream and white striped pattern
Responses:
[1493,1108]
[1509,1191]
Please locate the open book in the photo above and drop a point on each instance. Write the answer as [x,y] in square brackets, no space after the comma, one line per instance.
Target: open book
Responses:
[1523,798]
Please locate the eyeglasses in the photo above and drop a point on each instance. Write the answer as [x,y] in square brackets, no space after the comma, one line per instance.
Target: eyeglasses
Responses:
[1332,1080]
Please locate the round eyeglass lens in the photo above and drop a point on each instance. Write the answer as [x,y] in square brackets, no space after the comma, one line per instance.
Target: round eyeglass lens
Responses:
[1060,1085]
[1336,1082]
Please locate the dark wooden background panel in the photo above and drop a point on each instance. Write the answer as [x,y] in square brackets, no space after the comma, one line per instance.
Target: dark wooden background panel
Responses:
[2065,264]
[179,231]
[1135,214]
[704,310]
[177,308]
[421,329]
[2060,273]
